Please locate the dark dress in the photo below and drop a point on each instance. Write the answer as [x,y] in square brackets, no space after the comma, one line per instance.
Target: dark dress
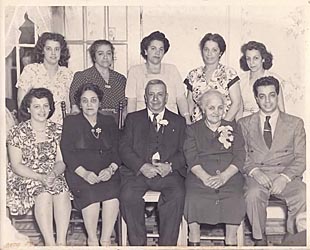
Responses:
[113,90]
[204,204]
[80,147]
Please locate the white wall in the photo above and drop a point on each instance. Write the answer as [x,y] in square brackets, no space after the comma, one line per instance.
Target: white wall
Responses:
[281,28]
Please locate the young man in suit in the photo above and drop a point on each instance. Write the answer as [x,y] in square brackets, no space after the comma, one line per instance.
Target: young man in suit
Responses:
[276,159]
[151,147]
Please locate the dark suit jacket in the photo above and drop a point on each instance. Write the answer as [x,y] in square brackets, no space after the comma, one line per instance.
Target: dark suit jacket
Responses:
[287,154]
[134,141]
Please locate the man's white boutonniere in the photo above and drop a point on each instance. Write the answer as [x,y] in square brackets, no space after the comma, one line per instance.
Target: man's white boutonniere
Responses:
[225,137]
[163,123]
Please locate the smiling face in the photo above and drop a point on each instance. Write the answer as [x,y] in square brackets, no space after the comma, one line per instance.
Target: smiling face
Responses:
[104,56]
[51,52]
[155,52]
[156,97]
[213,107]
[211,53]
[39,109]
[254,60]
[89,103]
[267,99]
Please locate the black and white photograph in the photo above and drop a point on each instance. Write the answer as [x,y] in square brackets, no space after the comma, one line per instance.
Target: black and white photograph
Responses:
[147,124]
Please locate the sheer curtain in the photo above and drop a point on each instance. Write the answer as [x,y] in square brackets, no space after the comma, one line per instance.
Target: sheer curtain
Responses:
[41,16]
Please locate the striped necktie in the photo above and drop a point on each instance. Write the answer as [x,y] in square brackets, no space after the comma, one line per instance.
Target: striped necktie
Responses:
[154,122]
[267,132]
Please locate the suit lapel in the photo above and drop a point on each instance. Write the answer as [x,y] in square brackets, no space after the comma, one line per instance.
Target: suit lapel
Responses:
[258,131]
[278,132]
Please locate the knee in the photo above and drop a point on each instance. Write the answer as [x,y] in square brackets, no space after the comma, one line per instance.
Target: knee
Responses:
[127,195]
[254,194]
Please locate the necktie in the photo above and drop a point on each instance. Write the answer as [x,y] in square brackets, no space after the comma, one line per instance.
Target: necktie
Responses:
[267,132]
[154,122]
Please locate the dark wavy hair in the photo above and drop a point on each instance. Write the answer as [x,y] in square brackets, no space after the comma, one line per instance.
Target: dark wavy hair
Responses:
[85,87]
[267,56]
[39,93]
[156,35]
[266,81]
[215,38]
[38,55]
[94,47]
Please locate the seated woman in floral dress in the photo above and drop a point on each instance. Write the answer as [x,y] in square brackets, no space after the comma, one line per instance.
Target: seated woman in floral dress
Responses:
[214,151]
[35,175]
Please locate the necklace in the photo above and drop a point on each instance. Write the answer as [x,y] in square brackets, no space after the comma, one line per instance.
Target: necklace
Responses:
[96,132]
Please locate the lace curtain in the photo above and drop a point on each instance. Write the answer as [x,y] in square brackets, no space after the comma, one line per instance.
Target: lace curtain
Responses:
[41,16]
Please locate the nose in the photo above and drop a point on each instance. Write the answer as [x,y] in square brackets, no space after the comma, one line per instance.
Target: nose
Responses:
[267,99]
[155,97]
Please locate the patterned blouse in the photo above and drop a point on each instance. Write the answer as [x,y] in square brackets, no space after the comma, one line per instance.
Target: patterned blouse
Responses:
[41,158]
[113,90]
[222,79]
[36,76]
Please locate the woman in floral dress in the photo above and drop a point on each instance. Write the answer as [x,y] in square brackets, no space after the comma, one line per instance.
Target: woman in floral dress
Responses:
[213,75]
[50,71]
[35,176]
[214,152]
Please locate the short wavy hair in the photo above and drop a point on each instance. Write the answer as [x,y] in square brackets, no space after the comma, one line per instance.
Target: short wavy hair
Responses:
[94,47]
[215,38]
[38,52]
[146,41]
[85,87]
[39,93]
[266,81]
[267,56]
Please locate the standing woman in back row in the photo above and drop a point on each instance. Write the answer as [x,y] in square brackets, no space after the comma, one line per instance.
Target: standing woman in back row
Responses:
[153,48]
[213,75]
[256,62]
[111,83]
[49,70]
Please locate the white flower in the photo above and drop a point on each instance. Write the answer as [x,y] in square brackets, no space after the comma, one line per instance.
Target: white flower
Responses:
[163,122]
[225,137]
[98,130]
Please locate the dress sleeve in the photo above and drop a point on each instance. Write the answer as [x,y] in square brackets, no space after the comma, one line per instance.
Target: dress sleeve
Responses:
[26,78]
[115,142]
[13,138]
[190,149]
[239,153]
[131,84]
[176,77]
[232,77]
[78,80]
[67,143]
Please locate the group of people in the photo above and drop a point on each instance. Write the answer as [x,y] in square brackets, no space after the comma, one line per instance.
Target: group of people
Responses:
[232,145]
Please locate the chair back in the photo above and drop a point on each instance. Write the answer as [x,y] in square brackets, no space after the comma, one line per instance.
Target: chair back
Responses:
[120,115]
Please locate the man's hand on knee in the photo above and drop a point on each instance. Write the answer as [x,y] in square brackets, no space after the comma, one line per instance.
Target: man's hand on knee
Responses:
[149,170]
[278,185]
[262,178]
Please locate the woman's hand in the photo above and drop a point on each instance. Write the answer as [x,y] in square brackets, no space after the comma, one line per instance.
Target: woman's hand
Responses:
[50,178]
[105,174]
[91,177]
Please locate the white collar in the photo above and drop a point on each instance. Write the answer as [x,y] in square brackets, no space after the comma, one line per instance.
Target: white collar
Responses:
[159,117]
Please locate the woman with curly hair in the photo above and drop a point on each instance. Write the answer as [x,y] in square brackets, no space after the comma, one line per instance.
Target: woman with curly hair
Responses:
[109,81]
[213,75]
[153,48]
[256,62]
[49,70]
[35,175]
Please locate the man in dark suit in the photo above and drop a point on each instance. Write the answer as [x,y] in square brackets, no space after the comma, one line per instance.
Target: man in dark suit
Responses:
[276,159]
[151,148]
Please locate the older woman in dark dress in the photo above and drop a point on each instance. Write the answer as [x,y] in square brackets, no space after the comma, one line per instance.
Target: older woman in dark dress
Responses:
[109,81]
[89,146]
[214,151]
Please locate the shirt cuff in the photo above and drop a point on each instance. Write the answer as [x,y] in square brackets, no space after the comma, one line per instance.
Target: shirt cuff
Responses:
[286,177]
[251,172]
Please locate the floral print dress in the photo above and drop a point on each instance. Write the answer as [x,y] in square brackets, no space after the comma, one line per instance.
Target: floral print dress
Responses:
[222,79]
[41,158]
[35,75]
